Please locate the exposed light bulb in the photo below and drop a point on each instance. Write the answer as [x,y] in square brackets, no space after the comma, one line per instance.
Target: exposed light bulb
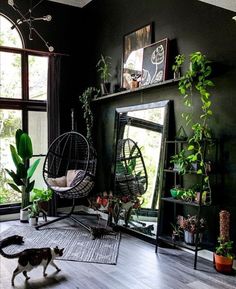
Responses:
[47,18]
[50,48]
[234,18]
[11,3]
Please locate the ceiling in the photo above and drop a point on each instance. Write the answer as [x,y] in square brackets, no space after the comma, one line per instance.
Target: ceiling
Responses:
[76,3]
[226,4]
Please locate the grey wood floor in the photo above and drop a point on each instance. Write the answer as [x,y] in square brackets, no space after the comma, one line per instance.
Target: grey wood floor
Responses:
[138,267]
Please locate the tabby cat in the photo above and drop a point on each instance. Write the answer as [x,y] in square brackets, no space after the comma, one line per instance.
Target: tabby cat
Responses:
[30,258]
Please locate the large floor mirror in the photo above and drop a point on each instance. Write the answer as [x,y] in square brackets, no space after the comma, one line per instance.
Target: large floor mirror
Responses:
[139,134]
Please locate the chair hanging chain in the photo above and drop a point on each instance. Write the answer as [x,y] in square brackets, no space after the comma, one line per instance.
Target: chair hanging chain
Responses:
[72,119]
[128,127]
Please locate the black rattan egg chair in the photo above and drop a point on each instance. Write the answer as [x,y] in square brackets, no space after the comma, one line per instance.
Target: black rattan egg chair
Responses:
[69,170]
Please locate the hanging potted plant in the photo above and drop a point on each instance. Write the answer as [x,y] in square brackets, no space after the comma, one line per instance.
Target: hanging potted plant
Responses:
[21,153]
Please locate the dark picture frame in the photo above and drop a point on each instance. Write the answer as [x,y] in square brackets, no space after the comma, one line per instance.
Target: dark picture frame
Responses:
[133,44]
[155,58]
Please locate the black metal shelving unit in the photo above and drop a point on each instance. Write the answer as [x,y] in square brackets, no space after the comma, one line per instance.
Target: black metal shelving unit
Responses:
[174,205]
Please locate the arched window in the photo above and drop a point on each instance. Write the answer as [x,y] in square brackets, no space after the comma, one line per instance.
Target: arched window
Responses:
[9,36]
[23,100]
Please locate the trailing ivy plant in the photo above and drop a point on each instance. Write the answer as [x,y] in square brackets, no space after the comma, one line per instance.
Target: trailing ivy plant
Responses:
[87,96]
[196,81]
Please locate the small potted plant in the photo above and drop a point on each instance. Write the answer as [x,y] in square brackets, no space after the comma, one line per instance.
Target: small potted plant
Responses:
[104,67]
[224,256]
[42,197]
[191,225]
[176,232]
[33,213]
[181,162]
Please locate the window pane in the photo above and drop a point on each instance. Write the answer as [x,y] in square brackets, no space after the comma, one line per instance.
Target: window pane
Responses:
[9,37]
[10,121]
[38,70]
[10,75]
[38,133]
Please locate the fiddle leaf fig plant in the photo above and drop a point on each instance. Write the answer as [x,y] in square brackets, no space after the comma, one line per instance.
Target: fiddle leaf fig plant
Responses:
[21,153]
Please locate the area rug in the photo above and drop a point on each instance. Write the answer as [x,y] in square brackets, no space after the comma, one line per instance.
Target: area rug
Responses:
[77,243]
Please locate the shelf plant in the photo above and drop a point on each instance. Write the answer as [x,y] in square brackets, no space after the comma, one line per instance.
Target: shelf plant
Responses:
[196,83]
[103,68]
[21,154]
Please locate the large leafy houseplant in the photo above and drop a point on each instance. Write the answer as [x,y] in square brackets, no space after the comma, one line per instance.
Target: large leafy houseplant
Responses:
[21,153]
[196,81]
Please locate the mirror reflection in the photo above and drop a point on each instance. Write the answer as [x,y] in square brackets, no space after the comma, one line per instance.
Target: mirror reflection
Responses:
[137,164]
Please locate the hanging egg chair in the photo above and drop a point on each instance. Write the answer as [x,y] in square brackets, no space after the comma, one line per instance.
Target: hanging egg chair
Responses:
[69,169]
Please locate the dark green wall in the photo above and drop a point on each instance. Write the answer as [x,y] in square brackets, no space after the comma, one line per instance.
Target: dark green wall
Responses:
[190,26]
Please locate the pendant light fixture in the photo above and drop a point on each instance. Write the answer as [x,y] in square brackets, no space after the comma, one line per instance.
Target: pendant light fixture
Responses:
[29,20]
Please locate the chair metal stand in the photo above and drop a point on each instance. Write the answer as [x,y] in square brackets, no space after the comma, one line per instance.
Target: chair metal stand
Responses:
[69,215]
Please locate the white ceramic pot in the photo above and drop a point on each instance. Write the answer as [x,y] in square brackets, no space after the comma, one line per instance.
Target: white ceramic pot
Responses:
[24,216]
[33,221]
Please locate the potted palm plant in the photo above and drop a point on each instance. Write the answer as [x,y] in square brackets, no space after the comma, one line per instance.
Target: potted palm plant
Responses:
[21,154]
[104,67]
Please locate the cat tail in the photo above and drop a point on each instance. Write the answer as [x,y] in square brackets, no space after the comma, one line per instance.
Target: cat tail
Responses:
[9,256]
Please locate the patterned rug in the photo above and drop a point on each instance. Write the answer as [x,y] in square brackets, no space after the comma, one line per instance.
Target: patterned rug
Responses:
[77,243]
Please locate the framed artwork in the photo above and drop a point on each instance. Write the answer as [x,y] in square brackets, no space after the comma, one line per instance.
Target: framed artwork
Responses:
[155,63]
[133,45]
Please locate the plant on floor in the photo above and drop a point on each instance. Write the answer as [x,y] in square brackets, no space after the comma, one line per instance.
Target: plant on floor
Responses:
[21,153]
[223,257]
[86,98]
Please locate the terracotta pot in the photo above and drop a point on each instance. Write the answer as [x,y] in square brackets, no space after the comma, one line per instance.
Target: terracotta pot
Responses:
[223,264]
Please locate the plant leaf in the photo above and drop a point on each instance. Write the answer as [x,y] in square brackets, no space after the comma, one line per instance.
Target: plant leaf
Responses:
[30,187]
[14,187]
[21,171]
[25,147]
[15,178]
[15,157]
[32,168]
[18,134]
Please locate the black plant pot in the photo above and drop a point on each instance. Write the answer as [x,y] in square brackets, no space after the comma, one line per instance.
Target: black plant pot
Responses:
[105,88]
